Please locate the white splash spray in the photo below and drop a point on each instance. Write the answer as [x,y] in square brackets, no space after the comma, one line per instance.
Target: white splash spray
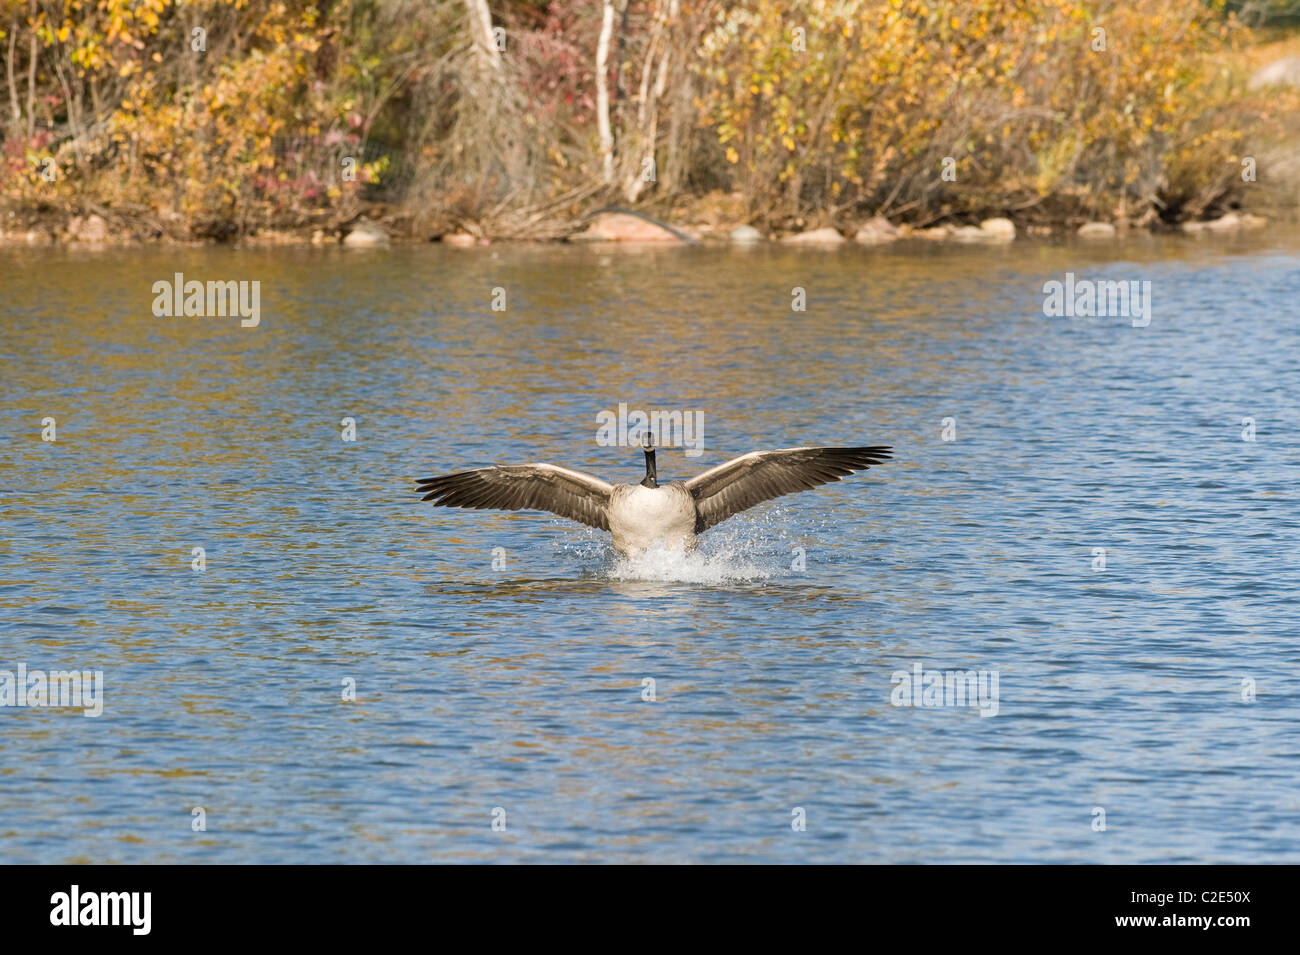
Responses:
[740,552]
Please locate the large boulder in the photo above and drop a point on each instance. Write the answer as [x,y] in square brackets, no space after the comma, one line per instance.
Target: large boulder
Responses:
[1283,72]
[746,234]
[91,228]
[624,227]
[1231,222]
[826,236]
[1097,230]
[365,233]
[999,228]
[875,231]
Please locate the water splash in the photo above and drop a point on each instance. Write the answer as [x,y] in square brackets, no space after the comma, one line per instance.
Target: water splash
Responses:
[723,565]
[754,548]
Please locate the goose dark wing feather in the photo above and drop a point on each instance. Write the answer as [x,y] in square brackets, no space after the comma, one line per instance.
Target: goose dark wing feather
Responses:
[750,479]
[531,487]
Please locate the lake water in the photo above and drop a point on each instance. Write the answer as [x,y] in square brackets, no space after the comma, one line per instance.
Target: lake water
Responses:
[1162,688]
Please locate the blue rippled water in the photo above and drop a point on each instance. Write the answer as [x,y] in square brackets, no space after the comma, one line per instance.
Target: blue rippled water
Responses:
[1162,689]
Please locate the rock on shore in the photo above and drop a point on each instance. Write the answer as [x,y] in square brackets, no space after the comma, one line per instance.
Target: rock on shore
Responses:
[877,230]
[623,227]
[1283,72]
[999,228]
[1096,230]
[91,228]
[826,236]
[1232,222]
[365,233]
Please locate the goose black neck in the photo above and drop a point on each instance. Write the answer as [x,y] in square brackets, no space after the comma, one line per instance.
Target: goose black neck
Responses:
[651,477]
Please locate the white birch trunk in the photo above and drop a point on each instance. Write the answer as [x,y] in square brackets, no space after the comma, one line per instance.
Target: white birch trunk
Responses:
[602,94]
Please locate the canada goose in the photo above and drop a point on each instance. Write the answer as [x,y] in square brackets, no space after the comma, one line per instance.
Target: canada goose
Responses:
[638,515]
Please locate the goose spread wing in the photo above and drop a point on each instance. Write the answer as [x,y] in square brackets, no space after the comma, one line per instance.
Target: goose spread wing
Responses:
[762,475]
[531,487]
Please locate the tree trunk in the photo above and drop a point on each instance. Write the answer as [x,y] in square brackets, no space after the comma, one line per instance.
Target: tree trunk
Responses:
[480,26]
[31,87]
[647,110]
[602,94]
[15,111]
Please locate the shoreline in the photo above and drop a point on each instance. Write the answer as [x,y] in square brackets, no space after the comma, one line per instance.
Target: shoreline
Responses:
[623,227]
